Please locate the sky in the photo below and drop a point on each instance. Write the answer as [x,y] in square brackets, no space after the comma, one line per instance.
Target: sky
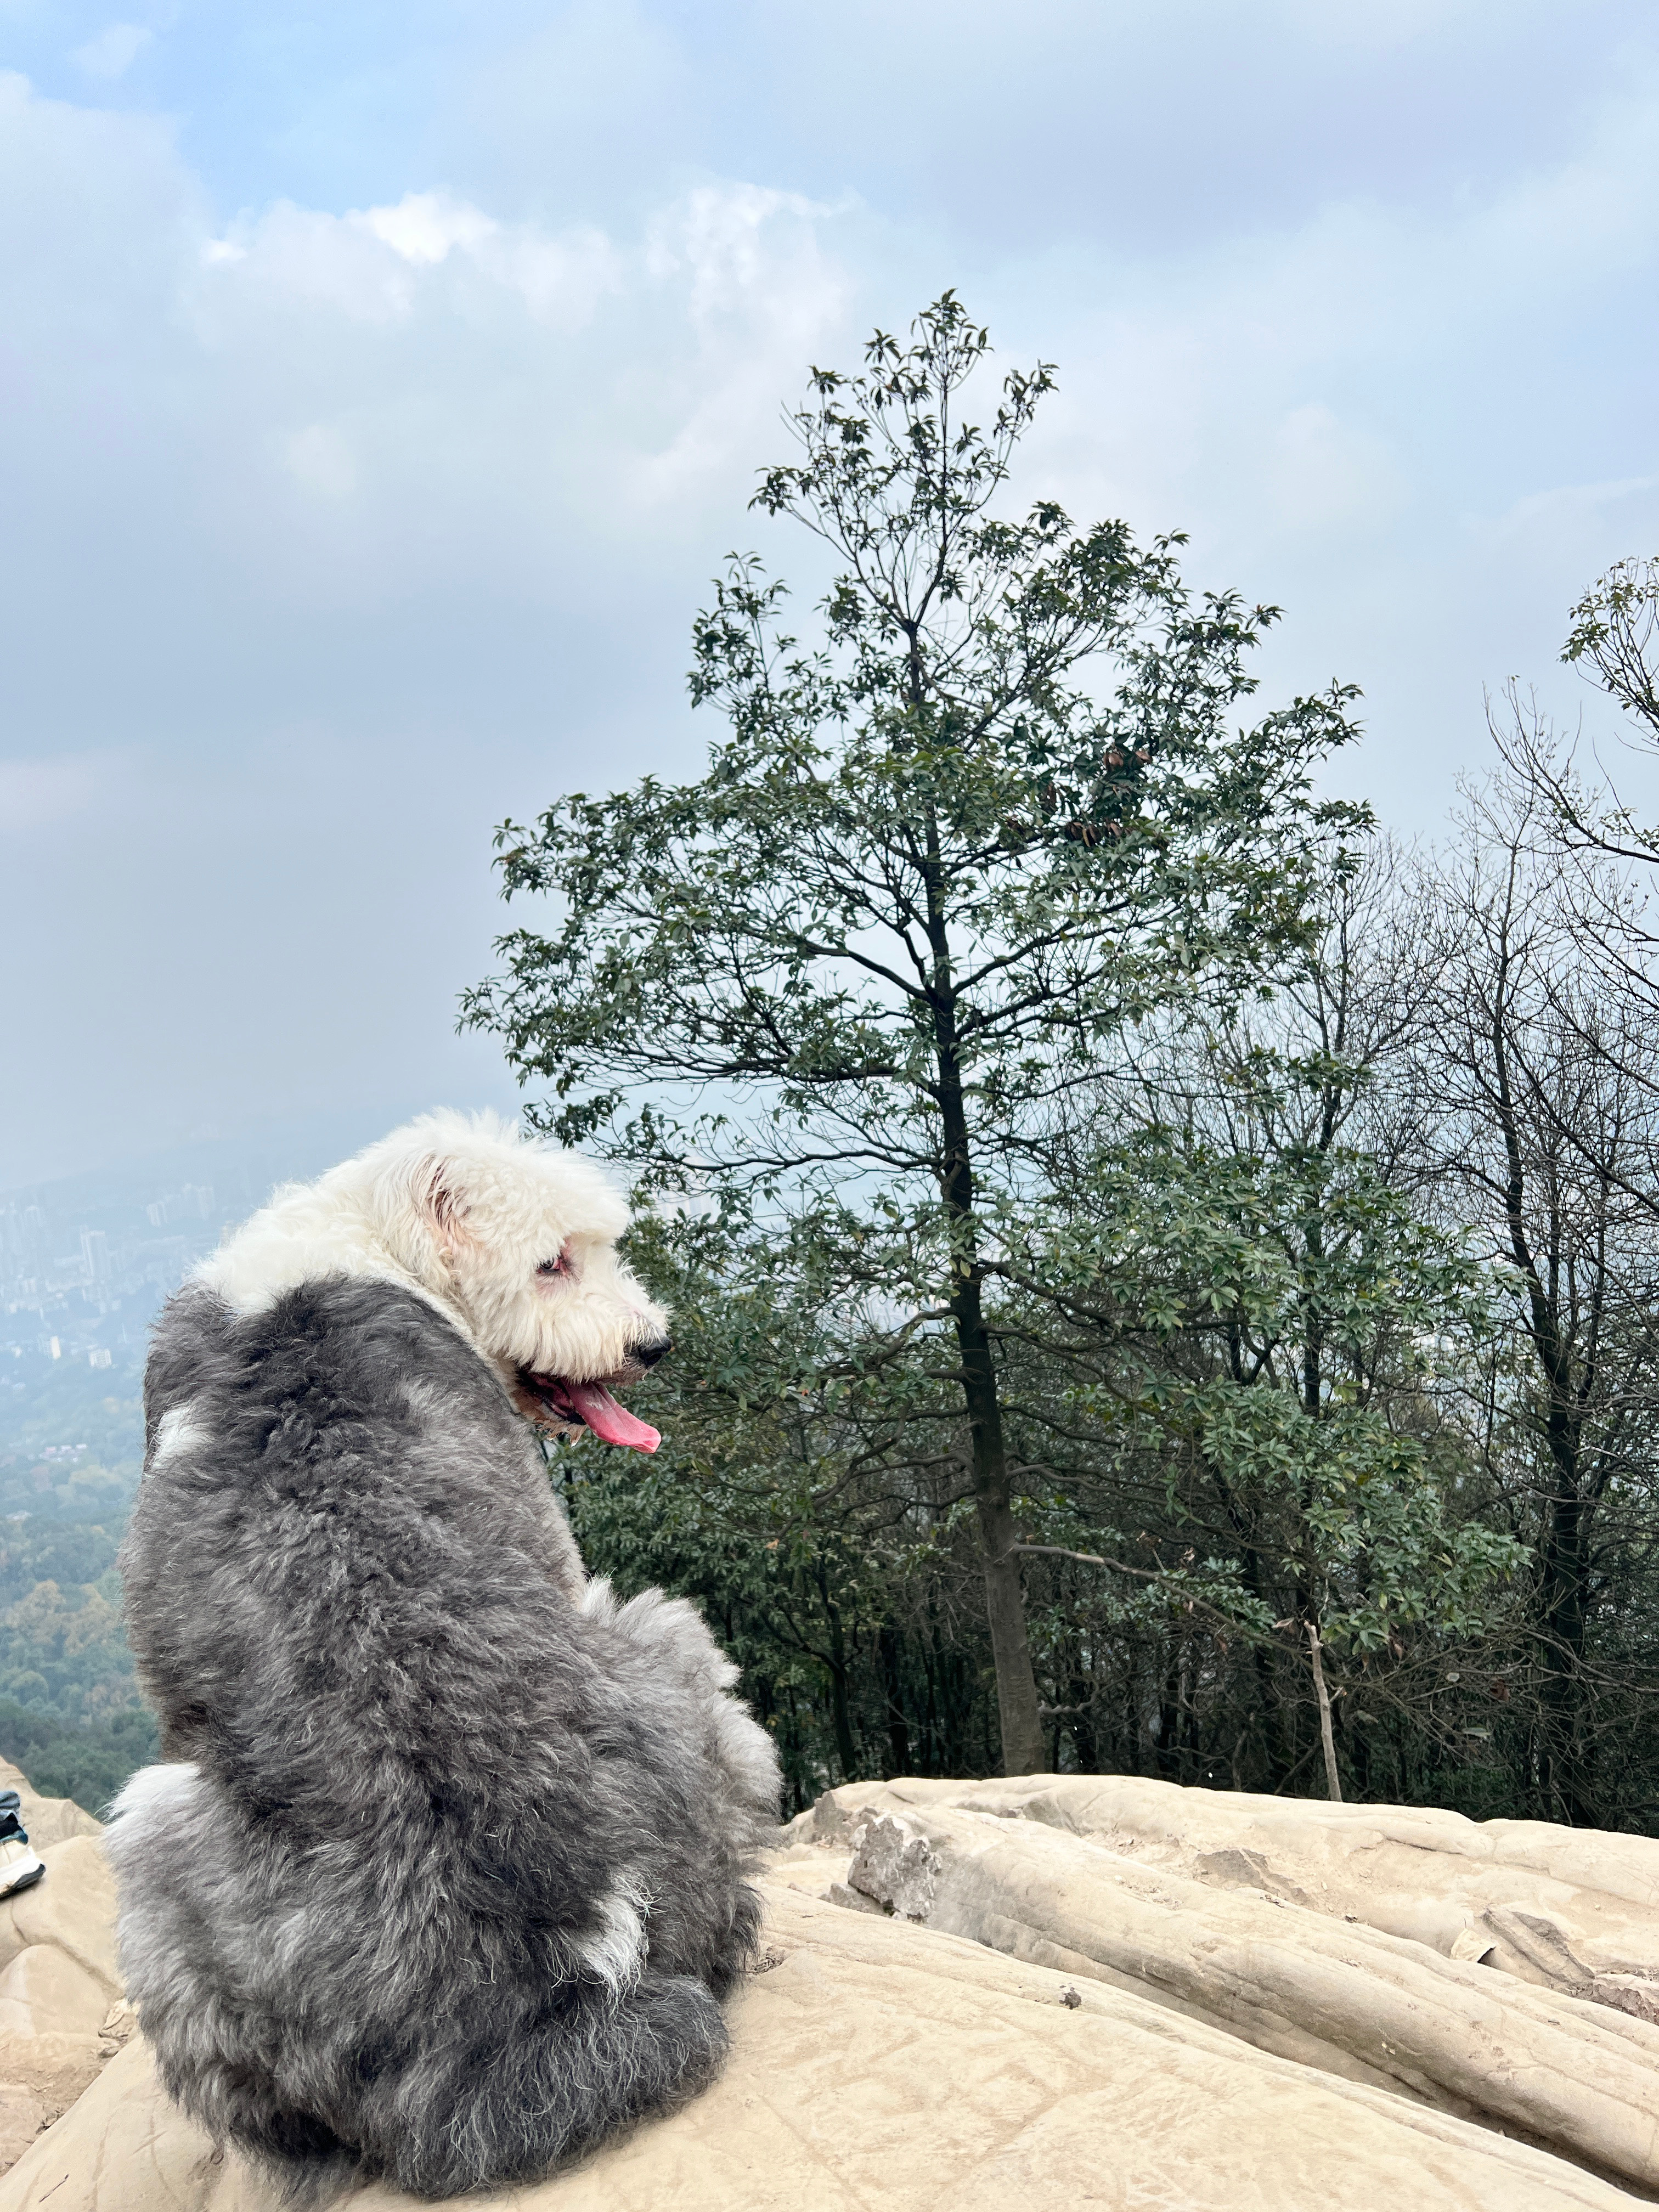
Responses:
[381,387]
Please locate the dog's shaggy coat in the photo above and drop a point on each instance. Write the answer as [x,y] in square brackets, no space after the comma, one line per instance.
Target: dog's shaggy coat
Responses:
[445,1875]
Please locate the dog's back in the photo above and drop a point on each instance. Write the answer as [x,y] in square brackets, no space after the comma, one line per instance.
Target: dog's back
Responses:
[445,1873]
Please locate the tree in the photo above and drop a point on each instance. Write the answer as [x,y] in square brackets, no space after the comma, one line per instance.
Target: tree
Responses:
[995,813]
[1550,1096]
[1539,1077]
[1244,1326]
[785,1499]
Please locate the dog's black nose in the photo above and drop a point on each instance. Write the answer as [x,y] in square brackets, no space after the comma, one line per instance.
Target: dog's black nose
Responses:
[654,1349]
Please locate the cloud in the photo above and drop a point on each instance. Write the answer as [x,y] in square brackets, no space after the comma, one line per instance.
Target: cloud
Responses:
[457,381]
[366,515]
[719,250]
[113,52]
[370,526]
[719,236]
[37,795]
[320,457]
[424,226]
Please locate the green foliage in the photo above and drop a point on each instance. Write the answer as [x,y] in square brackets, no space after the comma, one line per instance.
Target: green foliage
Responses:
[62,1648]
[1257,1318]
[1004,779]
[69,1553]
[71,1440]
[1223,1376]
[999,810]
[1056,1357]
[1612,637]
[70,1715]
[90,1764]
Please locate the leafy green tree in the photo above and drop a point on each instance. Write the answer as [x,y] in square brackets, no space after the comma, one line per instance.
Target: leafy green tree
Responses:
[1255,1334]
[1246,1331]
[807,1495]
[997,811]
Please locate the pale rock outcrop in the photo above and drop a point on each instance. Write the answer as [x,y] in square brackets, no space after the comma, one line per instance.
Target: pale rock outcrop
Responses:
[875,2062]
[1571,1909]
[1100,1991]
[1504,1971]
[48,1820]
[61,2017]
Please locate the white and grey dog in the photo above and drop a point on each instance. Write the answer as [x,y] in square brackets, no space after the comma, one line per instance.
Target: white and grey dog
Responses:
[445,1875]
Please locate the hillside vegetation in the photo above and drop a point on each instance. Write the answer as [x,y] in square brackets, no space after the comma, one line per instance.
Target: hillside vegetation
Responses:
[70,1713]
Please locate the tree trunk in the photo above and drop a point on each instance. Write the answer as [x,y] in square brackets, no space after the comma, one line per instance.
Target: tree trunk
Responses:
[1333,1780]
[1569,1792]
[1024,1749]
[1085,1741]
[898,1729]
[839,1711]
[1169,1724]
[1563,1770]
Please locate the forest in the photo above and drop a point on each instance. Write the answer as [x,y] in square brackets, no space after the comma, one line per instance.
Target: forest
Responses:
[1164,1275]
[70,1715]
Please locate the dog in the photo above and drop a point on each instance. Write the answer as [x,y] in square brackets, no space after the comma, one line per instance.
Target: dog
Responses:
[443,1875]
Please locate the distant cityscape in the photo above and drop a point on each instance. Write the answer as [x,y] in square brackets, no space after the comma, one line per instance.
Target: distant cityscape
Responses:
[84,1265]
[87,1262]
[86,1286]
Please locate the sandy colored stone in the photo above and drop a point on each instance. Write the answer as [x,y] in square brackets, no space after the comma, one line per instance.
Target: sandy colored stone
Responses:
[55,2067]
[1558,1907]
[118,2027]
[71,1907]
[62,2016]
[44,1990]
[1350,2000]
[1201,2000]
[879,2064]
[23,2116]
[124,2148]
[48,1820]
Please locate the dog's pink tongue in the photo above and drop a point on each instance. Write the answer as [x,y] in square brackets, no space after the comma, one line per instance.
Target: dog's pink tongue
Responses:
[611,1422]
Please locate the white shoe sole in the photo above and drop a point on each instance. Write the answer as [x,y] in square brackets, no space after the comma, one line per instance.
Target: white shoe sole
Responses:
[19,1874]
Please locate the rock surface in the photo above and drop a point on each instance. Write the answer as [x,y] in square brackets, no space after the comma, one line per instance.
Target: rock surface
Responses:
[878,2062]
[1109,1993]
[60,2018]
[1524,1995]
[1564,1907]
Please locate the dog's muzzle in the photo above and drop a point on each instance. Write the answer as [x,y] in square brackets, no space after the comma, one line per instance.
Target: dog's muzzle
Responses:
[556,1401]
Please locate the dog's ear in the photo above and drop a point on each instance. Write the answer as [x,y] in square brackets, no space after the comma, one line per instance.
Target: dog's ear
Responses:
[435,1199]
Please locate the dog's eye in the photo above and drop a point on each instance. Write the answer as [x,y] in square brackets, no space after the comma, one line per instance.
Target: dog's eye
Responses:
[559,1266]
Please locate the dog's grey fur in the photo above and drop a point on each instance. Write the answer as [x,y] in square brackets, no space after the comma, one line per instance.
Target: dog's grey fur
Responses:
[444,1879]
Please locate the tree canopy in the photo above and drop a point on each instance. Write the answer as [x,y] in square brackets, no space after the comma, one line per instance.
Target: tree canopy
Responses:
[1001,806]
[1164,1282]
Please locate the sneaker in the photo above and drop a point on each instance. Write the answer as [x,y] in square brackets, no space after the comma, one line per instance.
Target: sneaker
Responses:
[19,1867]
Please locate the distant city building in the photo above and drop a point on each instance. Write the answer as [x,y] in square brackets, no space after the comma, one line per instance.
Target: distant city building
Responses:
[54,1347]
[98,1357]
[94,1255]
[193,1203]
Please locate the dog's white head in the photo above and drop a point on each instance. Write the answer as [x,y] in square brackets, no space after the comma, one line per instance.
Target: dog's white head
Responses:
[514,1238]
